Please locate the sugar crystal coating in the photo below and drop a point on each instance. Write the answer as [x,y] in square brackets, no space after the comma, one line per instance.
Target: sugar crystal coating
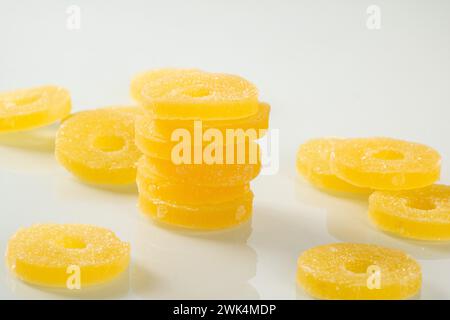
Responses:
[154,136]
[422,214]
[26,109]
[98,145]
[358,271]
[194,94]
[385,163]
[200,217]
[198,137]
[151,127]
[189,194]
[213,175]
[42,254]
[313,163]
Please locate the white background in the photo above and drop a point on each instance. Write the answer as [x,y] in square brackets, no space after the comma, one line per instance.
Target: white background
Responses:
[322,70]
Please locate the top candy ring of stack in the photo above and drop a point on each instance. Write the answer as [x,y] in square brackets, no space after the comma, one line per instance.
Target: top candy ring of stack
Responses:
[193,94]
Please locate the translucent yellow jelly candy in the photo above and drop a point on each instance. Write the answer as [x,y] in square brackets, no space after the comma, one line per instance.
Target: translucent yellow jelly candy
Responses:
[194,94]
[358,272]
[386,164]
[58,255]
[174,151]
[149,127]
[31,108]
[313,162]
[418,214]
[200,217]
[98,146]
[188,194]
[154,136]
[213,175]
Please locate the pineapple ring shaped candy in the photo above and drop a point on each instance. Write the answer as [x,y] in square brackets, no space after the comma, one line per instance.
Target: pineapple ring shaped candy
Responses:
[189,194]
[199,217]
[151,128]
[194,94]
[98,146]
[48,254]
[385,164]
[214,175]
[153,136]
[31,108]
[313,162]
[173,151]
[422,214]
[358,271]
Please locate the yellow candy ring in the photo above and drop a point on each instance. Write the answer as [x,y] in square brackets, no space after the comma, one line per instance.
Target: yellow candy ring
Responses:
[200,217]
[313,163]
[194,94]
[213,175]
[188,194]
[31,108]
[153,136]
[49,254]
[149,127]
[385,164]
[422,214]
[98,146]
[166,150]
[357,272]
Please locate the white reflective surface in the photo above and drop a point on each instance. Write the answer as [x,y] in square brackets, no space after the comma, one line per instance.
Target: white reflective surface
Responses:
[315,62]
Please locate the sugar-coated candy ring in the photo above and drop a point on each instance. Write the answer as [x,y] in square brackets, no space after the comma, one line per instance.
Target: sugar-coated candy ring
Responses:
[194,94]
[357,272]
[31,108]
[385,163]
[154,136]
[49,254]
[422,214]
[167,150]
[213,175]
[200,217]
[98,145]
[188,194]
[150,127]
[313,163]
